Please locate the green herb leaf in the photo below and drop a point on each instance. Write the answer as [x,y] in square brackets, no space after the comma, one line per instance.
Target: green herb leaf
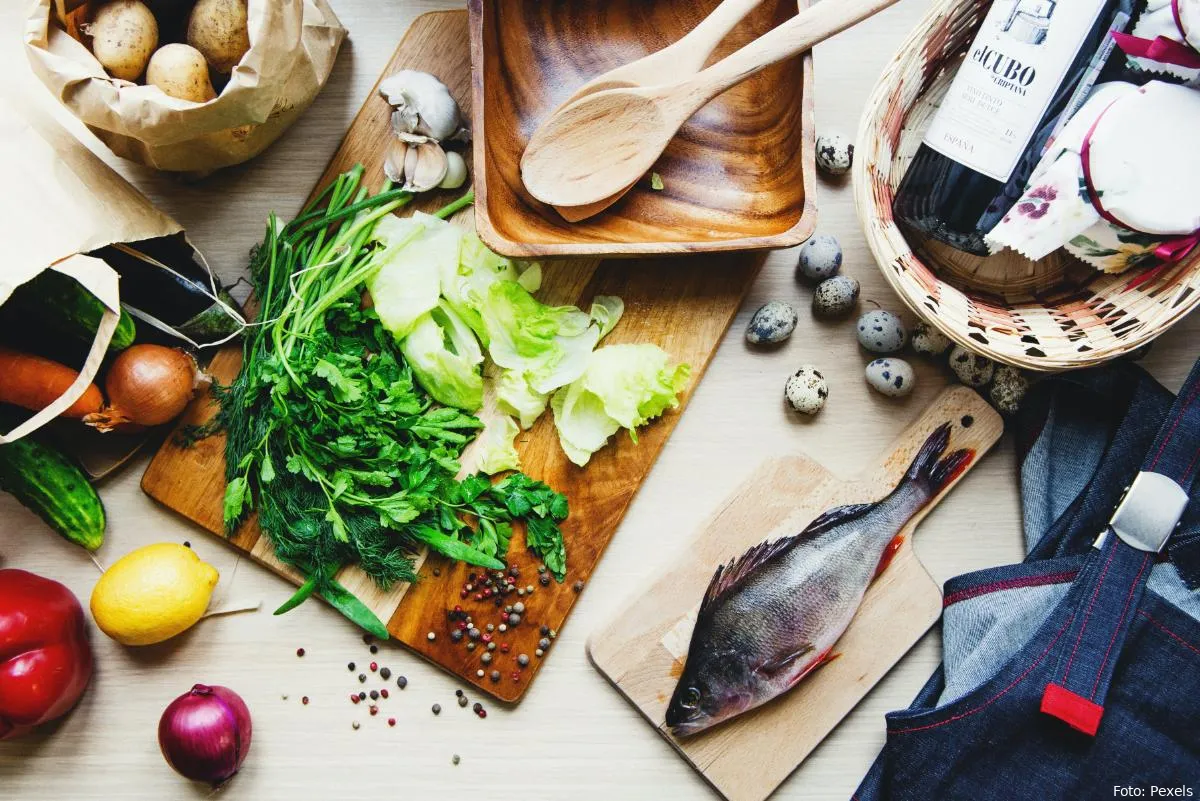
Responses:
[235,500]
[300,596]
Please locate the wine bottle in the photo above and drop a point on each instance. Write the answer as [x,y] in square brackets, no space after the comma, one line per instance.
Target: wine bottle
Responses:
[1017,78]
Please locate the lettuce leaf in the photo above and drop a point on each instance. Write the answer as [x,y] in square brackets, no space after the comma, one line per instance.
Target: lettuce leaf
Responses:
[497,452]
[445,357]
[516,397]
[408,283]
[624,386]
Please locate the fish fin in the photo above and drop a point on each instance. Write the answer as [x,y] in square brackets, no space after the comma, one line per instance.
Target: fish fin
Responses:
[728,576]
[949,469]
[889,553]
[820,661]
[926,460]
[835,517]
[783,661]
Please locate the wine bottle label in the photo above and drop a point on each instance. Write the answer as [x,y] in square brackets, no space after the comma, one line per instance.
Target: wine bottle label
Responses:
[1007,79]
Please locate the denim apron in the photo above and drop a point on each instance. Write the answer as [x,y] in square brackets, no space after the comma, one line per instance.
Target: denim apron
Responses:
[1075,675]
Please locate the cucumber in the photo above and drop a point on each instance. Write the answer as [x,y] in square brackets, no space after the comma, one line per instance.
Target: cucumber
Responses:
[62,302]
[51,485]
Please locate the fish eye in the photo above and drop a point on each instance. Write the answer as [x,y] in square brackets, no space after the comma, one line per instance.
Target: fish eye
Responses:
[691,698]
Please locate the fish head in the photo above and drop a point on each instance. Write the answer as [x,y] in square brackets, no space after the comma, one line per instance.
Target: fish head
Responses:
[714,687]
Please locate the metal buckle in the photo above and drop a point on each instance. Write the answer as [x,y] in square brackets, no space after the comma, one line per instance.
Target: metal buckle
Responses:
[1149,512]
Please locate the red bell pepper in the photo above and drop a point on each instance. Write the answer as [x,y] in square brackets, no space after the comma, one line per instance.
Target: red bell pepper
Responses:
[45,658]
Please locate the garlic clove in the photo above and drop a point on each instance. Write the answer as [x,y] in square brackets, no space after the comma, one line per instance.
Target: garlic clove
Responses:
[456,171]
[393,162]
[429,167]
[423,105]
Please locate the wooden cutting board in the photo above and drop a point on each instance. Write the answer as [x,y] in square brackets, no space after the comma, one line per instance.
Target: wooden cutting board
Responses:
[684,308]
[642,651]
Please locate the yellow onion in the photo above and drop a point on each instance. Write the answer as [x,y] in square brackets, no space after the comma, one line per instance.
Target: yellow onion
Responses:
[205,734]
[147,385]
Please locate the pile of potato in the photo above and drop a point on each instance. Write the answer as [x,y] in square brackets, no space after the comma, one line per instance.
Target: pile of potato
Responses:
[125,40]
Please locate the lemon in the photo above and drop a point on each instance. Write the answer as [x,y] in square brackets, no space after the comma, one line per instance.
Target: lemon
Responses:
[152,594]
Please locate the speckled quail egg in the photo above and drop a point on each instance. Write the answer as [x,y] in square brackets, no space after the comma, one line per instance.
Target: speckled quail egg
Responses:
[892,377]
[881,331]
[971,368]
[928,341]
[835,297]
[1008,389]
[835,153]
[820,258]
[771,324]
[806,391]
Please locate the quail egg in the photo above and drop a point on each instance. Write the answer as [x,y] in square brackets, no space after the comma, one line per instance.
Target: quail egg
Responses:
[835,297]
[1008,389]
[971,368]
[882,331]
[892,377]
[820,258]
[806,391]
[835,153]
[928,341]
[771,324]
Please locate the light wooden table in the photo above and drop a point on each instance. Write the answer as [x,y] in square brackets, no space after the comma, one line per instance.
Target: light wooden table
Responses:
[573,737]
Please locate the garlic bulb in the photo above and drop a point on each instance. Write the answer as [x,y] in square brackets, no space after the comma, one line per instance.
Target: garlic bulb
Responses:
[416,167]
[456,171]
[424,107]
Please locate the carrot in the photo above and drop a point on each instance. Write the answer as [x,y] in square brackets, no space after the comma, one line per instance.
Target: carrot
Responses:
[32,382]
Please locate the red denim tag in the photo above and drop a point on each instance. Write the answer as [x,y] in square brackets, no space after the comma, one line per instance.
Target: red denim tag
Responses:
[1076,711]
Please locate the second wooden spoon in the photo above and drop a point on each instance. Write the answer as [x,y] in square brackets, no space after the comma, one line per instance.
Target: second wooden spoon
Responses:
[602,143]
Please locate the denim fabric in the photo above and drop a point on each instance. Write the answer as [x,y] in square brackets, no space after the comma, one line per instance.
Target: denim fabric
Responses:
[978,730]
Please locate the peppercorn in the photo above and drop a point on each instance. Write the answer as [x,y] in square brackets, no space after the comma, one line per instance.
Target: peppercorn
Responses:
[514,619]
[523,659]
[362,678]
[374,695]
[385,674]
[482,713]
[454,760]
[539,653]
[353,698]
[456,636]
[544,631]
[304,700]
[401,682]
[362,696]
[541,568]
[519,608]
[391,721]
[470,646]
[577,586]
[503,628]
[476,706]
[367,638]
[486,659]
[479,674]
[529,589]
[437,709]
[504,647]
[491,646]
[473,633]
[354,725]
[516,676]
[431,636]
[544,643]
[350,666]
[491,627]
[299,652]
[544,581]
[374,710]
[462,700]
[495,675]
[374,649]
[383,693]
[520,593]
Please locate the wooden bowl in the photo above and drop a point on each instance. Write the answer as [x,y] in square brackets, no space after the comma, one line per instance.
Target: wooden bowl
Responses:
[739,176]
[1054,314]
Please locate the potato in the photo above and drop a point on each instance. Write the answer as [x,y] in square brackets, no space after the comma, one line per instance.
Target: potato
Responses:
[181,71]
[218,29]
[124,35]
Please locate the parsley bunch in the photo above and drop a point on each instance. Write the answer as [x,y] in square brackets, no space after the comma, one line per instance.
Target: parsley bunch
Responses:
[344,457]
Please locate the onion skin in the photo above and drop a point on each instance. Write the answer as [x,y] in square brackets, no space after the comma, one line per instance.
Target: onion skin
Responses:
[205,734]
[147,385]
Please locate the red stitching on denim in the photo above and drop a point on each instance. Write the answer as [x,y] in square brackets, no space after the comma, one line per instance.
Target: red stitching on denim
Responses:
[1120,622]
[1191,466]
[998,695]
[1088,615]
[1178,419]
[1170,633]
[1008,584]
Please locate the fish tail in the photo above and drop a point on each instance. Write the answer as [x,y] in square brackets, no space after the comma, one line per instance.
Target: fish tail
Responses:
[933,472]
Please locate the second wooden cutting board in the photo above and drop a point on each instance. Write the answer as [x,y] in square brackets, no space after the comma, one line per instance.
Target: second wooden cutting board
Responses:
[684,307]
[642,651]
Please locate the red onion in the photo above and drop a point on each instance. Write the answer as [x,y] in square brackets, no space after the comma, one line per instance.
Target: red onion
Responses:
[205,734]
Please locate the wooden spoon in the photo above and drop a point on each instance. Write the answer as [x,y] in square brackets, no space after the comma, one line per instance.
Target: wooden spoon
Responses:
[684,57]
[602,143]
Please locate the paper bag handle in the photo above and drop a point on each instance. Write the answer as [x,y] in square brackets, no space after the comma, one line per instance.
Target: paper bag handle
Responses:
[101,280]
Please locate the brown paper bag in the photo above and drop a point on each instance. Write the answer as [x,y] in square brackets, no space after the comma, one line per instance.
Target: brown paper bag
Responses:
[72,203]
[293,44]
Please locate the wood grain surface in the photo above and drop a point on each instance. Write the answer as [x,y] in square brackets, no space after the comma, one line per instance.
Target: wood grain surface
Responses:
[641,652]
[686,311]
[740,174]
[572,737]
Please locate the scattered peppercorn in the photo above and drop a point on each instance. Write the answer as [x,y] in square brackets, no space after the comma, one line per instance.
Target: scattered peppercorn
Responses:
[401,682]
[374,666]
[431,636]
[383,693]
[391,721]
[523,659]
[495,675]
[486,659]
[544,580]
[299,652]
[458,693]
[491,646]
[503,628]
[374,710]
[374,649]
[385,674]
[514,619]
[354,725]
[476,707]
[454,760]
[437,709]
[470,646]
[456,635]
[362,696]
[482,713]
[544,643]
[462,700]
[350,666]
[304,700]
[479,673]
[374,695]
[544,631]
[437,572]
[362,678]
[539,653]
[519,608]
[353,698]
[577,586]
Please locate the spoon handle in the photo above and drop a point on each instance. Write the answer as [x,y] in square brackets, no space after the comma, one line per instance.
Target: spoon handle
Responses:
[694,49]
[798,34]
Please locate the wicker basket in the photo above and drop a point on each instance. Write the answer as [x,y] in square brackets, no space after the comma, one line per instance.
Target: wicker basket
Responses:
[1055,314]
